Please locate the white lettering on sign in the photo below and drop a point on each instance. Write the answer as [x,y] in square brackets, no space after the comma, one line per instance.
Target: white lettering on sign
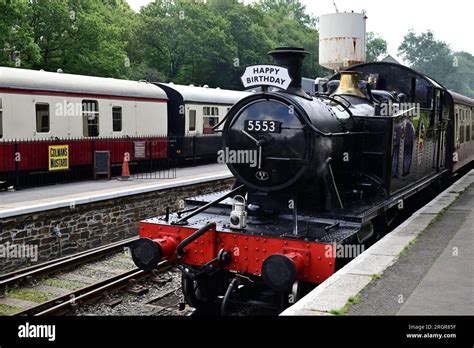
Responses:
[266,75]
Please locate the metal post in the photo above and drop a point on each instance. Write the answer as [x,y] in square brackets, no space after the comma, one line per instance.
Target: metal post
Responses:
[17,167]
[93,157]
[150,153]
[194,149]
[295,217]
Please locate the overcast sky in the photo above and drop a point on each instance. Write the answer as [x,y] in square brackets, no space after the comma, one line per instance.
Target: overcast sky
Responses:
[451,21]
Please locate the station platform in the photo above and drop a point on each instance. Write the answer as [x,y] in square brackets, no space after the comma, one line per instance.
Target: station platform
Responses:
[63,195]
[423,267]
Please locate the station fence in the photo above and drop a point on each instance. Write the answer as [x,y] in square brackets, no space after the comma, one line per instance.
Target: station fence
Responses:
[28,162]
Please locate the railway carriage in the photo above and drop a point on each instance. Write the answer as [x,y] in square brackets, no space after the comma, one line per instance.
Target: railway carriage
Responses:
[42,105]
[194,112]
[463,124]
[40,109]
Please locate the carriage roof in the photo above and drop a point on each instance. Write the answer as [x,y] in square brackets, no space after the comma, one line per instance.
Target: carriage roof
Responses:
[205,94]
[79,84]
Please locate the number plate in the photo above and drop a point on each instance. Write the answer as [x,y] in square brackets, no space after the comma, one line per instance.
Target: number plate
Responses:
[263,126]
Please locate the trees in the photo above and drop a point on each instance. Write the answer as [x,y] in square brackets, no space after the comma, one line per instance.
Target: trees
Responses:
[211,43]
[199,42]
[16,37]
[436,59]
[427,55]
[189,41]
[461,79]
[186,42]
[376,47]
[81,37]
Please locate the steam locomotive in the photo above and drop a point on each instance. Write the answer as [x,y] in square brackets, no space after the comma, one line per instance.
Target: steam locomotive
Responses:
[331,170]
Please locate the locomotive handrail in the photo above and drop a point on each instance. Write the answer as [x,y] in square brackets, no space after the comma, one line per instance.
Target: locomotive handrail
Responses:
[322,96]
[220,123]
[318,131]
[184,219]
[193,237]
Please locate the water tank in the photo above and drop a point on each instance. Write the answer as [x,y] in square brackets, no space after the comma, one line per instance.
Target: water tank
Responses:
[341,40]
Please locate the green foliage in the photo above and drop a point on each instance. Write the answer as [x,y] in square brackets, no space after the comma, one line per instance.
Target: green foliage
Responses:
[30,295]
[80,37]
[8,310]
[211,43]
[189,41]
[350,302]
[61,283]
[16,35]
[376,47]
[436,59]
[185,41]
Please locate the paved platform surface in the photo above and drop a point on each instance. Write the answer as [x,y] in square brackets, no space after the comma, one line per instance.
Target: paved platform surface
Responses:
[434,275]
[55,196]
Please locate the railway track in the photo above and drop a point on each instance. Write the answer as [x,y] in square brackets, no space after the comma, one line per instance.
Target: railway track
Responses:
[63,263]
[68,303]
[60,286]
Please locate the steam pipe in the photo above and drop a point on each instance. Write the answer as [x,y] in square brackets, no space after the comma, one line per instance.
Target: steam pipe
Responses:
[233,284]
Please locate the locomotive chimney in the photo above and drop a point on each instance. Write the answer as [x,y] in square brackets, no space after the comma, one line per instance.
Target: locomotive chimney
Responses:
[292,59]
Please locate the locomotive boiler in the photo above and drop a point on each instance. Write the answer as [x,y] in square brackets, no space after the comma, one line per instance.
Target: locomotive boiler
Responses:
[315,176]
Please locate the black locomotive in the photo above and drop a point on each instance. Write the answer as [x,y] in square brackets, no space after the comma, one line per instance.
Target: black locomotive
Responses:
[331,169]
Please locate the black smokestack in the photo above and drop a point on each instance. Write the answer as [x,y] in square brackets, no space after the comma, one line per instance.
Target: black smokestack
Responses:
[292,59]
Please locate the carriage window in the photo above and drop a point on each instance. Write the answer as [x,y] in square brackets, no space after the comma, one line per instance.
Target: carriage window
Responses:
[468,132]
[208,124]
[192,120]
[117,119]
[210,111]
[472,125]
[42,118]
[1,119]
[90,116]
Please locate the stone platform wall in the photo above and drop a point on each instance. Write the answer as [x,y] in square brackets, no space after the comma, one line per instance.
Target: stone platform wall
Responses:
[88,225]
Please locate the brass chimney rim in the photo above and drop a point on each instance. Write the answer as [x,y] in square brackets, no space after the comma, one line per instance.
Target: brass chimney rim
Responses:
[349,84]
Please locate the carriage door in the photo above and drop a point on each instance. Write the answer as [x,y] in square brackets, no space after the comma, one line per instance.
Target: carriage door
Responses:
[439,129]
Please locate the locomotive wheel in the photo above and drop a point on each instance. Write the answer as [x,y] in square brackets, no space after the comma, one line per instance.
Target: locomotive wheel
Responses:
[203,293]
[384,222]
[298,291]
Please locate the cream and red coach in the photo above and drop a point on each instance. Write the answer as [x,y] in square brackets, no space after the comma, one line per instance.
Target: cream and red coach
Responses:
[39,109]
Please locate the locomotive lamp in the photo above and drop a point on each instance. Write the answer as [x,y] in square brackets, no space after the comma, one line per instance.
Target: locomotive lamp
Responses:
[238,215]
